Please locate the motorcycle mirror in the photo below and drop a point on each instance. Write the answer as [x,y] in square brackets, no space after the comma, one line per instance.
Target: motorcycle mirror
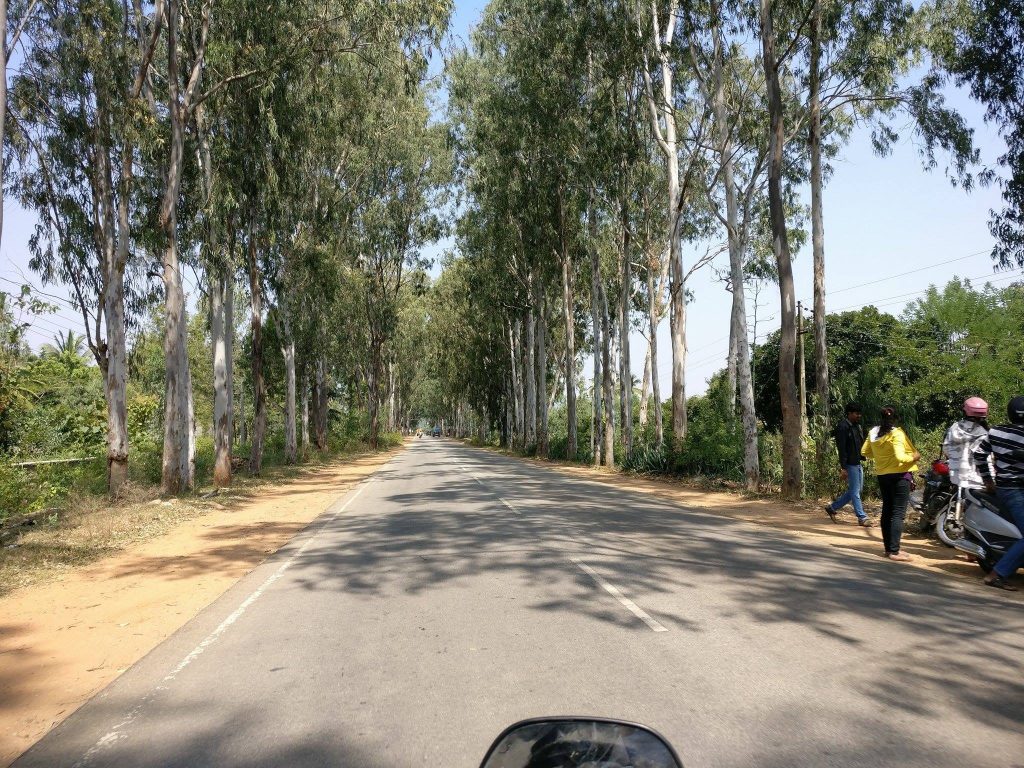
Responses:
[579,742]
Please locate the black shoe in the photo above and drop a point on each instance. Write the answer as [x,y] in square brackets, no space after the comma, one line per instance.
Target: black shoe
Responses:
[998,582]
[830,512]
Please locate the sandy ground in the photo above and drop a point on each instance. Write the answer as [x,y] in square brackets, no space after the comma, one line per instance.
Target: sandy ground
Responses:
[64,641]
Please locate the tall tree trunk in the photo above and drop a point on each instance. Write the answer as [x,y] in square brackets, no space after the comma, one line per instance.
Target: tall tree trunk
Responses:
[530,376]
[305,409]
[259,384]
[739,352]
[653,310]
[677,330]
[320,405]
[116,379]
[116,371]
[376,365]
[821,375]
[607,371]
[597,411]
[791,457]
[179,442]
[291,447]
[221,332]
[243,422]
[663,111]
[543,443]
[626,294]
[643,414]
[571,448]
[177,470]
[517,386]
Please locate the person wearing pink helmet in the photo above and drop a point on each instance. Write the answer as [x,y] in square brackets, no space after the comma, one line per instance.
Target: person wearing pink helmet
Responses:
[960,441]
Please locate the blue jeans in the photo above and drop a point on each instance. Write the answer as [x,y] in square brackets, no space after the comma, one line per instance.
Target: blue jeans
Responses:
[1013,500]
[854,484]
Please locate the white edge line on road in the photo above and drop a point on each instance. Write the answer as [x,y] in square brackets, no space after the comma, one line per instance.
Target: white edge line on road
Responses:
[612,590]
[115,733]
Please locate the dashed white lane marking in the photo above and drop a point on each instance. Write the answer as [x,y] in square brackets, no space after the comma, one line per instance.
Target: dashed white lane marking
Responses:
[614,591]
[508,504]
[116,733]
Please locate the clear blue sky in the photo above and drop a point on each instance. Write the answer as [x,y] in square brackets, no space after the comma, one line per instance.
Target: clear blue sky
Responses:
[883,217]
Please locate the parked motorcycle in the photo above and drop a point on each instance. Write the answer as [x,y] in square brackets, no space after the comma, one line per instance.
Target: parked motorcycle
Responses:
[576,742]
[988,528]
[937,502]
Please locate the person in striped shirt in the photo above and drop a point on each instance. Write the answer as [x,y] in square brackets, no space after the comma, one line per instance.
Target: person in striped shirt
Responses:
[1005,443]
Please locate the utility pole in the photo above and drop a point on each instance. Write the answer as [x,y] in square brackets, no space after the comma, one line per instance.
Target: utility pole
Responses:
[803,369]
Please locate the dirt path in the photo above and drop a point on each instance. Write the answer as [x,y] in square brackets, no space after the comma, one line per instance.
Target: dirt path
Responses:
[64,641]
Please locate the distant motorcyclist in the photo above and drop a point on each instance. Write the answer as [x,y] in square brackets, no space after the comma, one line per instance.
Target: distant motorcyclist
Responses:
[1005,444]
[960,441]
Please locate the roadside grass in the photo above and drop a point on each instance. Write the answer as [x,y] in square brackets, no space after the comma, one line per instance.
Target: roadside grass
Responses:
[90,526]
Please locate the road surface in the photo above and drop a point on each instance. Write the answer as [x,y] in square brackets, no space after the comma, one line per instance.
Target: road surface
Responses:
[457,591]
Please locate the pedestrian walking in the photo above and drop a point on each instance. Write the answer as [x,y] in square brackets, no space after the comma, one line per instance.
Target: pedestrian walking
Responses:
[895,459]
[849,437]
[1005,444]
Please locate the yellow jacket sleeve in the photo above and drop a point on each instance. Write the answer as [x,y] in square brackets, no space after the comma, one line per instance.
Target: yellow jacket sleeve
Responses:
[865,450]
[903,449]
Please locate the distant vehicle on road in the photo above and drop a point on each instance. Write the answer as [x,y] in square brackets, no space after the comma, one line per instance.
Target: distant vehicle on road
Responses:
[437,431]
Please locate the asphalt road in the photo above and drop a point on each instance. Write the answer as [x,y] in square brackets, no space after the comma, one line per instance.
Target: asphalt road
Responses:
[458,591]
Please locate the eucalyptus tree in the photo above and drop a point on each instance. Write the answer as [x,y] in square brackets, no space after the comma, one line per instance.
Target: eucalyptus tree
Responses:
[82,132]
[679,118]
[860,56]
[980,43]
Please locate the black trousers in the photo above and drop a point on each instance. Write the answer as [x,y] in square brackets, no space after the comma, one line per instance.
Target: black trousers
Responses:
[895,490]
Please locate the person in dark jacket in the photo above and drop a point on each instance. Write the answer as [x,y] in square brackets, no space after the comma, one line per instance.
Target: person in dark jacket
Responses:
[1005,444]
[849,438]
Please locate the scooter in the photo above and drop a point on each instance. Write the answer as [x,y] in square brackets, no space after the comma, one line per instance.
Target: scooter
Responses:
[988,528]
[578,742]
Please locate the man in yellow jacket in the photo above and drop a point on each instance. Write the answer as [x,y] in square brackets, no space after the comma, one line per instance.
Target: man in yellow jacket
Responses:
[895,459]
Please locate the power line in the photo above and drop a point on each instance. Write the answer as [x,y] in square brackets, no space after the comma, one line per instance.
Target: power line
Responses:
[909,272]
[40,291]
[888,300]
